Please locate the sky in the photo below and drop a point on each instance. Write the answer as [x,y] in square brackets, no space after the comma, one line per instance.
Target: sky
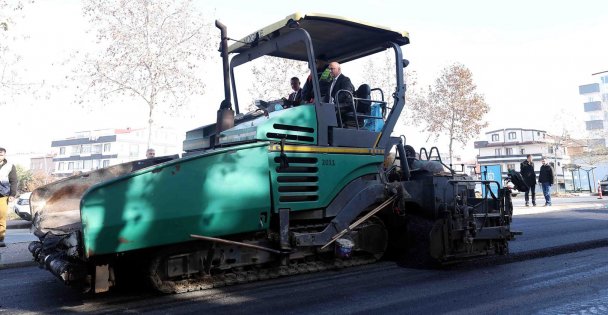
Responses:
[527,58]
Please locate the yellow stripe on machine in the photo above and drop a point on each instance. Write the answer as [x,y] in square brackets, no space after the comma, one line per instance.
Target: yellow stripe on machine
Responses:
[314,149]
[377,140]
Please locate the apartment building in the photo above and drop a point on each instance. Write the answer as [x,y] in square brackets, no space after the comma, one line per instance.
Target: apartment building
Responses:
[90,150]
[595,104]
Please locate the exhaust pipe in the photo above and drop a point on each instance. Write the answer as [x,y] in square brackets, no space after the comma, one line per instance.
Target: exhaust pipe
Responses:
[225,115]
[35,248]
[67,271]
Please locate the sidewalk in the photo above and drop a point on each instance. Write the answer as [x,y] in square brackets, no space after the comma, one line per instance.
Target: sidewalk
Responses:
[18,224]
[16,254]
[559,204]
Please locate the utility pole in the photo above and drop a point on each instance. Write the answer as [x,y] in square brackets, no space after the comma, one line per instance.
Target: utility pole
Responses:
[555,169]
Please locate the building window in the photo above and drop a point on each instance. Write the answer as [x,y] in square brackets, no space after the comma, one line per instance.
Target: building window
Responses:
[75,150]
[495,137]
[62,151]
[512,135]
[87,164]
[509,151]
[106,147]
[96,164]
[70,166]
[550,149]
[497,152]
[594,106]
[594,124]
[538,133]
[86,148]
[510,166]
[96,149]
[522,151]
[106,163]
[60,166]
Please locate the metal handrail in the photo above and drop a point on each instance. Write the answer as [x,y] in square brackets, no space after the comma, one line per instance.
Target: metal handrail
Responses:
[384,108]
[354,106]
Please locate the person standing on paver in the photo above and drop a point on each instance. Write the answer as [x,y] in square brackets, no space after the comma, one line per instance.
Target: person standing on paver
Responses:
[8,191]
[527,172]
[150,153]
[545,178]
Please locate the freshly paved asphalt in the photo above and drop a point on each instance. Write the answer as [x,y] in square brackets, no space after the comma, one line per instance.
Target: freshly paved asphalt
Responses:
[559,265]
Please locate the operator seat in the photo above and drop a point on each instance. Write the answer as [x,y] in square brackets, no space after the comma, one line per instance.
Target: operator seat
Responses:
[364,102]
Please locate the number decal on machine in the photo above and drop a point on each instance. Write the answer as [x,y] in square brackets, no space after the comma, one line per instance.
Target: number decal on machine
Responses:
[328,162]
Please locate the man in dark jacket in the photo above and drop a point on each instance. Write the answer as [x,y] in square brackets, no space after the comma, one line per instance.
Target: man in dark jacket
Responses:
[545,178]
[527,172]
[341,82]
[295,98]
[8,191]
[324,82]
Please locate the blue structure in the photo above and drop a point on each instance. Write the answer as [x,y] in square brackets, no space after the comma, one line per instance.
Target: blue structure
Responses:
[491,172]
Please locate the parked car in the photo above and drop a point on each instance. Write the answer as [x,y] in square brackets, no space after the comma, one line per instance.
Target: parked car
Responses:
[604,185]
[22,206]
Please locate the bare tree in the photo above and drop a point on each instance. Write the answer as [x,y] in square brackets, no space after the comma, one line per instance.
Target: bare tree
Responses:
[11,83]
[271,77]
[31,179]
[151,50]
[451,106]
[379,72]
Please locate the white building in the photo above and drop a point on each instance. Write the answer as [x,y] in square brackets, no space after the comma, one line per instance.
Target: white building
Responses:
[94,149]
[594,97]
[42,163]
[509,147]
[595,104]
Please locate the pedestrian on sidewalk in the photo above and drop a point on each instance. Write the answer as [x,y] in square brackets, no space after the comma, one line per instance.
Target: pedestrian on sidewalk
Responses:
[526,170]
[8,191]
[545,178]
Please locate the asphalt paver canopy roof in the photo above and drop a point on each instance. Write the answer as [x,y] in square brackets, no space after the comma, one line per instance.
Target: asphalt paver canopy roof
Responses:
[334,38]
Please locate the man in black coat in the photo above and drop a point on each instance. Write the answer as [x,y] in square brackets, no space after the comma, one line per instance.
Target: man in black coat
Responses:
[295,97]
[324,82]
[340,82]
[526,170]
[545,178]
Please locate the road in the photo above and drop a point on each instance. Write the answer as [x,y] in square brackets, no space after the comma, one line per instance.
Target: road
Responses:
[19,236]
[569,277]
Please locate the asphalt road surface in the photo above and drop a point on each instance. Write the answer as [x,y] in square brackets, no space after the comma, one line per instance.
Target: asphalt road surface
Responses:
[559,266]
[550,229]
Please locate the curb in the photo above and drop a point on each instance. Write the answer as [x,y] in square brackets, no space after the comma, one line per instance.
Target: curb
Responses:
[19,264]
[18,224]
